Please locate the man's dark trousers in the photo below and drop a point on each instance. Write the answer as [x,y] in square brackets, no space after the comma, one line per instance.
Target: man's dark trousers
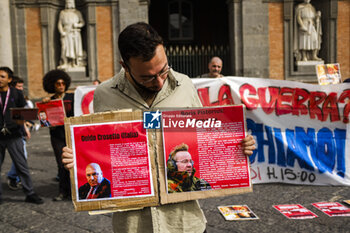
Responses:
[15,148]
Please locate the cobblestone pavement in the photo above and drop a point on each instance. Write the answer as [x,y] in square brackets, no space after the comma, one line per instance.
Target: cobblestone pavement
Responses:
[18,216]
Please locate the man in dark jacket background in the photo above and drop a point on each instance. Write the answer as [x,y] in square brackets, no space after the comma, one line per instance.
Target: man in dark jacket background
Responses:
[11,134]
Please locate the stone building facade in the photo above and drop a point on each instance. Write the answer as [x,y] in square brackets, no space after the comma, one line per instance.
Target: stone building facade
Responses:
[254,35]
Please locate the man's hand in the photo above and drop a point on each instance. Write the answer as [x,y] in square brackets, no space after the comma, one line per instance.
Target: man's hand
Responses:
[67,158]
[27,131]
[248,145]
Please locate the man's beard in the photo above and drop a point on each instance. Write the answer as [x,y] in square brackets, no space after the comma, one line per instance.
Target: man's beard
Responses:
[145,90]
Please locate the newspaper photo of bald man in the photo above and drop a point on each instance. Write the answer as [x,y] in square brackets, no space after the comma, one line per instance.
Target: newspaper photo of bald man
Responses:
[97,186]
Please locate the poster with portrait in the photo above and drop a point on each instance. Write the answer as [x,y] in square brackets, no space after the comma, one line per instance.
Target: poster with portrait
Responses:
[237,212]
[51,113]
[202,152]
[328,73]
[114,162]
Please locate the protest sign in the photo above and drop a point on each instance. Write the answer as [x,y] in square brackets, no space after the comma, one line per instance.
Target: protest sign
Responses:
[206,143]
[121,146]
[237,212]
[51,113]
[118,143]
[129,164]
[332,209]
[328,73]
[301,129]
[296,211]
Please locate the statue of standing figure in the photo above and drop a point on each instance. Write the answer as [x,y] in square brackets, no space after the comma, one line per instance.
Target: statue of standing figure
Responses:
[69,25]
[307,32]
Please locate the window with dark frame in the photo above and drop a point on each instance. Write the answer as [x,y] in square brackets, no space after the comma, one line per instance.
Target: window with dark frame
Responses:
[180,20]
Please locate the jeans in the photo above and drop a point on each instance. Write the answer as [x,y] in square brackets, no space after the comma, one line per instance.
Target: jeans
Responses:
[12,174]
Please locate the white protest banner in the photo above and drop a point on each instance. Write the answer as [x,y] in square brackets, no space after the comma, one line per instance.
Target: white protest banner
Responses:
[302,130]
[83,100]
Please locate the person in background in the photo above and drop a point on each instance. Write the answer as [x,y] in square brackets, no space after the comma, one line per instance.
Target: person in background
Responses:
[13,180]
[11,134]
[57,82]
[215,67]
[96,82]
[19,84]
[146,82]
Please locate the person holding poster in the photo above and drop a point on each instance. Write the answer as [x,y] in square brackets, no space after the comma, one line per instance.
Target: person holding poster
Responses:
[57,82]
[181,172]
[97,186]
[146,82]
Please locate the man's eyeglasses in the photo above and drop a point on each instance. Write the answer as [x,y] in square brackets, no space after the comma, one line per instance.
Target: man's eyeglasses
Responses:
[185,161]
[162,75]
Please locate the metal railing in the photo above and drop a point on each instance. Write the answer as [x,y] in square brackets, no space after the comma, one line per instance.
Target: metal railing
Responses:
[193,59]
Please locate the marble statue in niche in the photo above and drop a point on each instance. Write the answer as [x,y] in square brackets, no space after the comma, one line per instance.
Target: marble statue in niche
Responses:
[307,32]
[69,26]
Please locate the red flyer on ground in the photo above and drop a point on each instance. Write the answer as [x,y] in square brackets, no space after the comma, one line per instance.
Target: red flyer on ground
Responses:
[202,149]
[237,212]
[51,113]
[332,209]
[295,211]
[112,161]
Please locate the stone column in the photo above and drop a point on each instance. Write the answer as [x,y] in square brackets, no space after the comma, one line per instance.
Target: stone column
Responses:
[90,24]
[6,58]
[235,36]
[132,11]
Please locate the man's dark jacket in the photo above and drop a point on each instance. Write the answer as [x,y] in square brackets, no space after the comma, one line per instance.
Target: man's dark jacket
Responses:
[16,100]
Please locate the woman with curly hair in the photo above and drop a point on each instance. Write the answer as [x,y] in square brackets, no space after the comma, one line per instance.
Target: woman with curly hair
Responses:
[57,82]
